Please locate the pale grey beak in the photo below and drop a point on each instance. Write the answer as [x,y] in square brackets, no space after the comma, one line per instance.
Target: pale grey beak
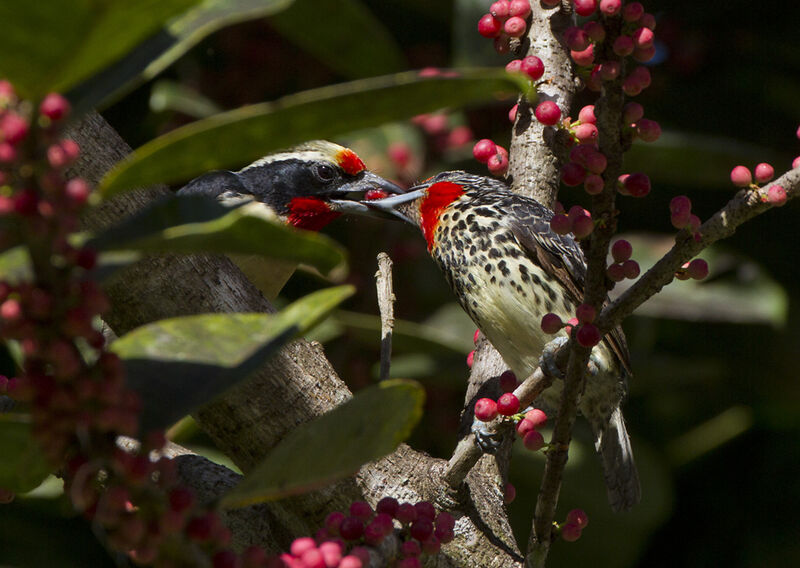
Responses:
[356,190]
[389,205]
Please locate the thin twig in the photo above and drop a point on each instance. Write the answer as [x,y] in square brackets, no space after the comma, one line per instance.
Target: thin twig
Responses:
[386,299]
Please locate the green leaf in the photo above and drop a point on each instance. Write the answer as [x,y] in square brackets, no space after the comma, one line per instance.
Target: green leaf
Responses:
[190,223]
[335,445]
[179,364]
[15,265]
[23,466]
[52,45]
[171,95]
[240,136]
[312,25]
[160,50]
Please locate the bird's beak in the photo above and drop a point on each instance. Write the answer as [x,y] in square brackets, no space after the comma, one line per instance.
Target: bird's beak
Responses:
[389,205]
[352,193]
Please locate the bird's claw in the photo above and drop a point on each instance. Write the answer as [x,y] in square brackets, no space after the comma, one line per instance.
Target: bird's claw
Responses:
[547,361]
[487,439]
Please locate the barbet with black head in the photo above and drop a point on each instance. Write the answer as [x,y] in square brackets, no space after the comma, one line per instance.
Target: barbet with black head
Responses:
[508,269]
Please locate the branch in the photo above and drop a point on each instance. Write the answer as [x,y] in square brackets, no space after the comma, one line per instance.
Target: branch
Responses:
[386,299]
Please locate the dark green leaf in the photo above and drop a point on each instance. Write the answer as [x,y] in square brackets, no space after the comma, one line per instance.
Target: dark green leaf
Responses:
[190,223]
[51,46]
[23,466]
[327,31]
[335,445]
[179,364]
[160,50]
[245,134]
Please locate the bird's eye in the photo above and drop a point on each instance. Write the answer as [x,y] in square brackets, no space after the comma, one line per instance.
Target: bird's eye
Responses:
[325,172]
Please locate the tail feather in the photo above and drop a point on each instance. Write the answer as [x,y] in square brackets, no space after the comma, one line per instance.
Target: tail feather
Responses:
[614,448]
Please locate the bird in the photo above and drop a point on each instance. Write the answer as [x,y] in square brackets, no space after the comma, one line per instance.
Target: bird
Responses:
[306,186]
[508,269]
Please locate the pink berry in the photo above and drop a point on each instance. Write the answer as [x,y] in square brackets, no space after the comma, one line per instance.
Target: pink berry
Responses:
[584,58]
[399,153]
[507,404]
[594,82]
[551,323]
[578,517]
[585,313]
[570,532]
[632,112]
[533,441]
[512,114]
[351,561]
[470,358]
[585,7]
[648,130]
[588,335]
[582,227]
[586,133]
[425,510]
[508,381]
[595,31]
[13,128]
[796,163]
[680,204]
[515,26]
[514,66]
[631,86]
[623,45]
[510,493]
[642,76]
[572,174]
[596,162]
[476,336]
[643,38]
[697,269]
[764,172]
[523,427]
[54,106]
[586,115]
[483,150]
[632,11]
[422,529]
[776,196]
[537,417]
[631,269]
[576,38]
[498,164]
[648,20]
[485,410]
[331,553]
[521,8]
[615,272]
[560,224]
[609,70]
[406,513]
[644,54]
[547,112]
[499,9]
[637,184]
[593,184]
[533,67]
[610,7]
[489,26]
[741,177]
[300,545]
[361,510]
[621,250]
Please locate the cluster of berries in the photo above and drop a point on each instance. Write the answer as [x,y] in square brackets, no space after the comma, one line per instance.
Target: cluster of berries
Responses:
[586,333]
[506,19]
[508,406]
[493,155]
[571,528]
[775,195]
[344,540]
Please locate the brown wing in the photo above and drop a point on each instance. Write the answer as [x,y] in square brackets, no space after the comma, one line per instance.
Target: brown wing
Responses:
[560,256]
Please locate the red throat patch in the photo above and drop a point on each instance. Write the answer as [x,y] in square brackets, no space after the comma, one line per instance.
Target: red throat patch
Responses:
[439,197]
[310,213]
[350,162]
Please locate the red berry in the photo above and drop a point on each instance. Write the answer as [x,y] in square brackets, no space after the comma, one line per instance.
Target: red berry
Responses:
[470,358]
[512,114]
[560,224]
[351,561]
[593,184]
[515,26]
[632,11]
[680,204]
[643,38]
[514,66]
[508,381]
[621,250]
[588,335]
[510,493]
[300,545]
[776,196]
[595,30]
[570,532]
[13,128]
[586,115]
[524,426]
[632,112]
[582,226]
[406,513]
[578,517]
[533,67]
[507,404]
[585,7]
[476,336]
[648,20]
[645,54]
[615,272]
[521,8]
[422,529]
[180,499]
[551,323]
[623,45]
[387,505]
[610,7]
[499,9]
[609,70]
[631,269]
[547,112]
[584,57]
[399,153]
[425,510]
[576,38]
[351,528]
[373,194]
[483,150]
[536,417]
[374,533]
[596,162]
[585,313]
[485,410]
[796,163]
[489,26]
[648,130]
[54,106]
[697,269]
[741,177]
[410,548]
[586,133]
[764,172]
[361,510]
[498,164]
[572,174]
[533,441]
[637,184]
[312,559]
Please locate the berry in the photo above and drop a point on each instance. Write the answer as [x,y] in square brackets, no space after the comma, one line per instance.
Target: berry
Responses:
[408,562]
[764,172]
[510,493]
[54,106]
[576,38]
[476,336]
[621,250]
[351,561]
[551,323]
[422,529]
[13,128]
[387,505]
[586,114]
[485,410]
[637,184]
[596,162]
[514,66]
[585,7]
[623,45]
[582,226]
[572,174]
[498,164]
[515,26]
[302,544]
[499,9]
[426,510]
[648,20]
[483,150]
[578,517]
[520,8]
[508,381]
[470,358]
[532,66]
[410,548]
[333,522]
[585,313]
[570,532]
[632,11]
[595,30]
[512,114]
[593,184]
[399,153]
[632,112]
[180,499]
[741,177]
[643,38]
[533,441]
[547,112]
[524,426]
[631,269]
[489,26]
[697,269]
[536,417]
[560,224]
[361,510]
[615,272]
[588,335]
[648,130]
[643,55]
[406,513]
[507,404]
[373,194]
[796,162]
[584,57]
[776,196]
[610,7]
[586,133]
